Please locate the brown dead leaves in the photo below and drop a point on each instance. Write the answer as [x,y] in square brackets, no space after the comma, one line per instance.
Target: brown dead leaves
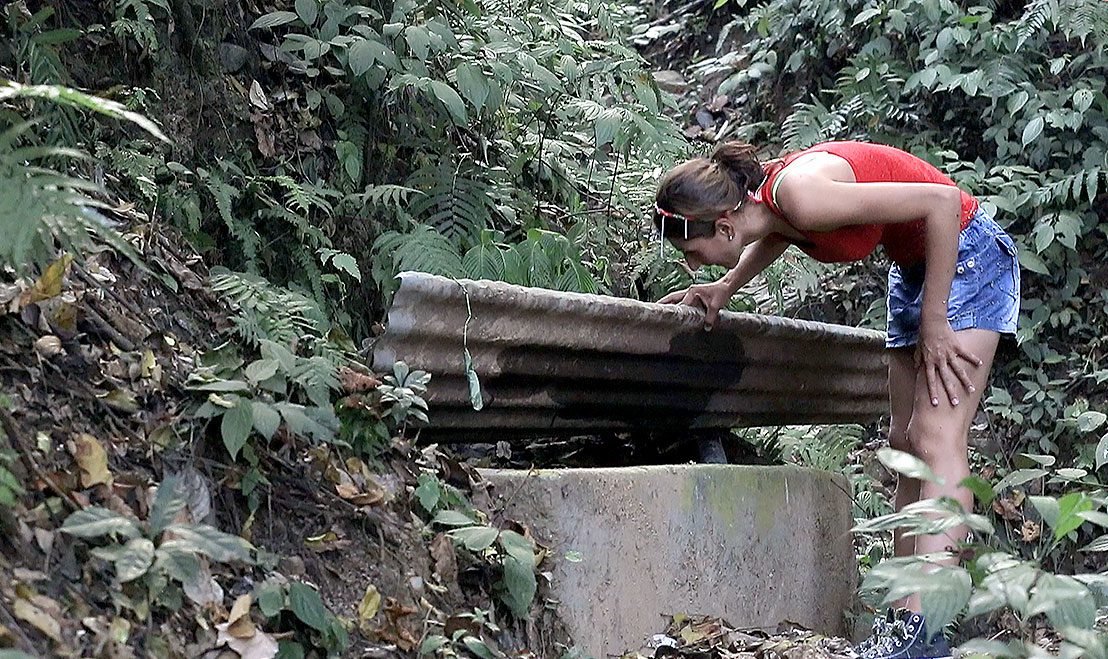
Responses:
[239,633]
[705,637]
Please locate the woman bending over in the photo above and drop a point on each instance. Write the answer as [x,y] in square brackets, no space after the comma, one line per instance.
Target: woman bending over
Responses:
[953,292]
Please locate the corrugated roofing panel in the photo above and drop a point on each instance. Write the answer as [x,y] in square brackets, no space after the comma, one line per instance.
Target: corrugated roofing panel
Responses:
[553,362]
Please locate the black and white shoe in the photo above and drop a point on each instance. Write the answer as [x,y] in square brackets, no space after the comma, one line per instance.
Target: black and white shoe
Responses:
[902,634]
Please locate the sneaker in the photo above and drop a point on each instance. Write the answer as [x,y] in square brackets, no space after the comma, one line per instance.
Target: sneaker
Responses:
[902,634]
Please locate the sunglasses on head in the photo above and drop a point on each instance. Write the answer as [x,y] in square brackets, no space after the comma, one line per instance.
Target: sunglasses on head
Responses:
[661,215]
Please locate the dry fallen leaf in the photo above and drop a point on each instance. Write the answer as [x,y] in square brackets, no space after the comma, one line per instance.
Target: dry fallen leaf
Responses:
[368,608]
[239,623]
[93,461]
[1006,509]
[39,619]
[259,646]
[257,96]
[1030,531]
[354,382]
[121,400]
[347,490]
[48,346]
[50,283]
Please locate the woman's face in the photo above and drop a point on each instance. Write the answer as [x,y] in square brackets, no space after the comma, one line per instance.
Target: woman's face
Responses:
[721,248]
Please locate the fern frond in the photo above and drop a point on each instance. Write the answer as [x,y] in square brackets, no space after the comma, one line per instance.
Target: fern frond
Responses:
[457,206]
[40,208]
[421,250]
[388,196]
[224,196]
[268,312]
[1079,19]
[1034,18]
[305,231]
[814,122]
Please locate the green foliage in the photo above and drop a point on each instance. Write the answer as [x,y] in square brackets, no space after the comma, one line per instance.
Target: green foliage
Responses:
[996,576]
[287,381]
[276,223]
[256,396]
[397,405]
[42,208]
[314,626]
[514,555]
[465,639]
[1008,99]
[159,555]
[136,21]
[545,259]
[10,487]
[492,120]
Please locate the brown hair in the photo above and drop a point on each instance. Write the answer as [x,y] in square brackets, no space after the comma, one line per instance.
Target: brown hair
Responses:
[702,188]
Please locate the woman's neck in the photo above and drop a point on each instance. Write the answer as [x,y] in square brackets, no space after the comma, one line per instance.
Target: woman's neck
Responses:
[766,222]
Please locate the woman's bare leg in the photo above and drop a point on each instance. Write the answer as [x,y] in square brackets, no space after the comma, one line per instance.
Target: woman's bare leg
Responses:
[902,391]
[938,435]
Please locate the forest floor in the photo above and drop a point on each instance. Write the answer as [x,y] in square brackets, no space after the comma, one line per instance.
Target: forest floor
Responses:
[96,401]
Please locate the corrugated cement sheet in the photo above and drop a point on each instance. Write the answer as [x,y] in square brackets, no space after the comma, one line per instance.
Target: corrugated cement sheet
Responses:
[552,362]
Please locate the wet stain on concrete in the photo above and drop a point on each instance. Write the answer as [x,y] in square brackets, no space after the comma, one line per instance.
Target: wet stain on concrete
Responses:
[668,389]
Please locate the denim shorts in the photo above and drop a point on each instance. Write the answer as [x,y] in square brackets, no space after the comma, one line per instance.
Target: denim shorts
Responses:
[985,293]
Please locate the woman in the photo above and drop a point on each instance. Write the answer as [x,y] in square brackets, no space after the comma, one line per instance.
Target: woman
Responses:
[953,292]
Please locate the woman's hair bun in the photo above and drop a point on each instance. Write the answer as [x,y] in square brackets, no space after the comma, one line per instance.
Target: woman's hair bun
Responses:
[740,160]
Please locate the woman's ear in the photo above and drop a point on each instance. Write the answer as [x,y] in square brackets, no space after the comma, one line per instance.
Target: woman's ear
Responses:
[726,226]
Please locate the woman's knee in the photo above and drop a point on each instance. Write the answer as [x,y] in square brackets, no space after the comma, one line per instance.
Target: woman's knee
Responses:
[930,436]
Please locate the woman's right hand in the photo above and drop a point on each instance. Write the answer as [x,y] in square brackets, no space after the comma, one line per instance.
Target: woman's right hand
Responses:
[710,297]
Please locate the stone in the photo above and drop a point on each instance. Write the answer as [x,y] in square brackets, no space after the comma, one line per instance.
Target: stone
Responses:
[232,57]
[671,81]
[630,546]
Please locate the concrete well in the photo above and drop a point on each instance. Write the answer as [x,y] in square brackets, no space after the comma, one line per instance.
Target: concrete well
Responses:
[754,545]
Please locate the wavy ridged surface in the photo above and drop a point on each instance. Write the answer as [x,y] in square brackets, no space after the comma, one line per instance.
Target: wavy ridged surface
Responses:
[552,362]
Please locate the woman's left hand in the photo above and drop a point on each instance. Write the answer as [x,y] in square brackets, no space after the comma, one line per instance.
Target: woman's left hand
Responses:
[943,359]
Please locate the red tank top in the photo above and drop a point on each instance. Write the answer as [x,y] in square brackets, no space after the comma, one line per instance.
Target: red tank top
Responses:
[903,241]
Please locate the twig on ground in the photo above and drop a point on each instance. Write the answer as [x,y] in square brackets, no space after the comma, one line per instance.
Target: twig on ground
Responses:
[106,328]
[12,431]
[25,644]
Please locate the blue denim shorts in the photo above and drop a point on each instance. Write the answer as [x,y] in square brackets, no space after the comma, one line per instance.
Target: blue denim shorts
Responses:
[985,293]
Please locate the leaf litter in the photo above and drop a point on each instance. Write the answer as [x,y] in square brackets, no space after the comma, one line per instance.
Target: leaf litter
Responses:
[94,360]
[707,637]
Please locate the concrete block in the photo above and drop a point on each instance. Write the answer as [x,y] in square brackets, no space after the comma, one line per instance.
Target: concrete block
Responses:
[755,545]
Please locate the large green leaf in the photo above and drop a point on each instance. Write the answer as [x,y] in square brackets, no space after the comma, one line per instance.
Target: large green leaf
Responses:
[520,584]
[307,10]
[305,602]
[1064,600]
[177,563]
[236,425]
[97,521]
[168,503]
[210,541]
[943,594]
[270,596]
[476,538]
[265,419]
[134,560]
[453,518]
[1032,130]
[273,19]
[450,99]
[1070,508]
[471,82]
[907,464]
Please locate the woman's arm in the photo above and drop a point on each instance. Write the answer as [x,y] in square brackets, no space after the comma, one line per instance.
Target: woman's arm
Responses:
[814,201]
[714,296]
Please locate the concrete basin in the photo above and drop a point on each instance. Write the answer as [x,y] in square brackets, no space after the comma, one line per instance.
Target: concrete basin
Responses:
[755,545]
